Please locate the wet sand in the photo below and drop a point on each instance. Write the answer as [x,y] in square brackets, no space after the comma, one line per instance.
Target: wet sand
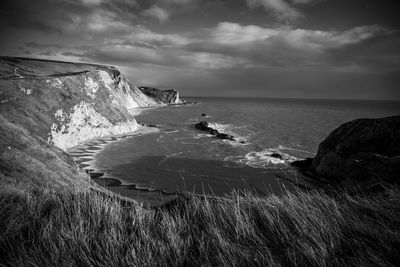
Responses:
[84,157]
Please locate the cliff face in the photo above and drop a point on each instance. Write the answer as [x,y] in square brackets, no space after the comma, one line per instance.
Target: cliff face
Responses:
[162,96]
[359,151]
[46,103]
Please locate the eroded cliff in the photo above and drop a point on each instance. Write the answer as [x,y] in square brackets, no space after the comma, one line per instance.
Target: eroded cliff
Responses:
[45,103]
[163,96]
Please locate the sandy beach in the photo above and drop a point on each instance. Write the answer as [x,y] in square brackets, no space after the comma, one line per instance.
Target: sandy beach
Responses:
[84,156]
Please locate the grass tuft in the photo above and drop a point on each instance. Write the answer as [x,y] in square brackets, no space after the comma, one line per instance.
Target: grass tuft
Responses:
[43,228]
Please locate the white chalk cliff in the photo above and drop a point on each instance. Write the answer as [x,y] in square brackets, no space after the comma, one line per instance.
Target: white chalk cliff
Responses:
[61,104]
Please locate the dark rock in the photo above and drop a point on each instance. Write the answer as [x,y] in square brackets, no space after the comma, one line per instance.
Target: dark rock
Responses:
[303,164]
[359,151]
[203,125]
[204,115]
[225,136]
[276,155]
[213,131]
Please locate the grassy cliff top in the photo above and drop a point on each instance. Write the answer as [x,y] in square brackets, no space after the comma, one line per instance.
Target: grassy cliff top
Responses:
[18,67]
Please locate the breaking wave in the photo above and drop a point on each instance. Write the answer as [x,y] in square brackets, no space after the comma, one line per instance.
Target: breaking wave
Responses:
[263,159]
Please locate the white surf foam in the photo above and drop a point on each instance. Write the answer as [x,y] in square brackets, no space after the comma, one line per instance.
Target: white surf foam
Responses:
[172,131]
[263,159]
[294,149]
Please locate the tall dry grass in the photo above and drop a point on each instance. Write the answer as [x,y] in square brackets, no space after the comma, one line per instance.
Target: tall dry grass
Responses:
[44,228]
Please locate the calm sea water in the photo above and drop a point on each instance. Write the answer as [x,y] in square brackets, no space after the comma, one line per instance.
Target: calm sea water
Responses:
[180,157]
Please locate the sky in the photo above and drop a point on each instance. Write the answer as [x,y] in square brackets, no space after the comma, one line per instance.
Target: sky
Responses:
[341,49]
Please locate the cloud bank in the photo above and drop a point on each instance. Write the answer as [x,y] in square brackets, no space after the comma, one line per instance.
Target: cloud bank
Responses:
[144,38]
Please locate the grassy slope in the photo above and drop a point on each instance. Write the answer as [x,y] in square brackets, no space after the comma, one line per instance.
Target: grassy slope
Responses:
[302,229]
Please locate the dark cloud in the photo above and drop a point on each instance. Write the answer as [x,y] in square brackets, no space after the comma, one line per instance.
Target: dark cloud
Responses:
[258,47]
[378,53]
[231,45]
[293,48]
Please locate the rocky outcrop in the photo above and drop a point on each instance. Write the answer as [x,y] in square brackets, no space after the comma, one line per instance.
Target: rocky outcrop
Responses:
[360,150]
[203,126]
[162,96]
[48,107]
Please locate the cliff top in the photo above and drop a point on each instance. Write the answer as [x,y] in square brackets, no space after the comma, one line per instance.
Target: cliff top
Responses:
[19,67]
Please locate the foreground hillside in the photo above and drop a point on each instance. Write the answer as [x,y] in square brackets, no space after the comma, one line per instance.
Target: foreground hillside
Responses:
[42,228]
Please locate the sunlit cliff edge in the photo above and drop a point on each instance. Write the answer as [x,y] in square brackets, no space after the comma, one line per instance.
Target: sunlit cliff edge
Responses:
[47,107]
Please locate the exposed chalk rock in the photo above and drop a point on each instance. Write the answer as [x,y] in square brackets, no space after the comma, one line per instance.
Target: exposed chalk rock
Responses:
[162,96]
[82,124]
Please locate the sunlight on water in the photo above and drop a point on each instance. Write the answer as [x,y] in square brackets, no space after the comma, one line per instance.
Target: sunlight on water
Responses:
[181,157]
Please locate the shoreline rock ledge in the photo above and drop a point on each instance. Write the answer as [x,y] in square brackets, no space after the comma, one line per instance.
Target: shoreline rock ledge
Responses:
[359,151]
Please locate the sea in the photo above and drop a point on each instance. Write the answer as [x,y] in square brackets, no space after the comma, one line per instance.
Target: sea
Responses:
[180,158]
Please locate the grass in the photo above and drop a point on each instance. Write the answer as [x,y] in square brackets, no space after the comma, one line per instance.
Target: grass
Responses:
[46,228]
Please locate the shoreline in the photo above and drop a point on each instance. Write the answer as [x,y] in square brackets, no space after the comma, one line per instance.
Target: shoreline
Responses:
[84,156]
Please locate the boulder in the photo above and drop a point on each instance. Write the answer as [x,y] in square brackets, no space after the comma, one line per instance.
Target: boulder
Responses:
[360,150]
[225,136]
[203,114]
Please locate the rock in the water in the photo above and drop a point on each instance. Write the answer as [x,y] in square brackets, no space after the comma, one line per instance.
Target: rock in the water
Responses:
[202,125]
[203,114]
[361,150]
[276,155]
[213,131]
[225,136]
